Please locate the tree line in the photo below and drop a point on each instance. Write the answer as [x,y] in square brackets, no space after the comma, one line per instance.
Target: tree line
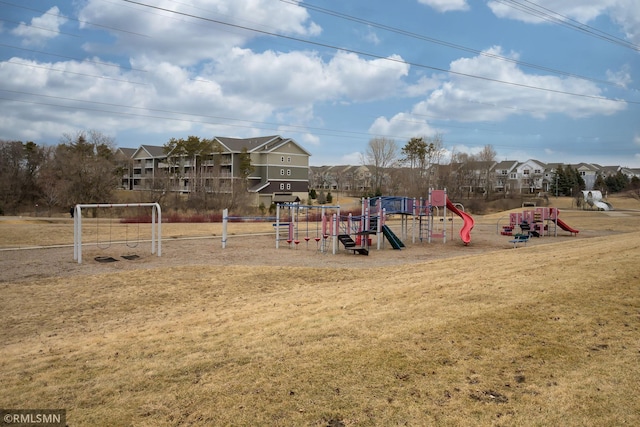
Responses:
[417,166]
[84,168]
[80,169]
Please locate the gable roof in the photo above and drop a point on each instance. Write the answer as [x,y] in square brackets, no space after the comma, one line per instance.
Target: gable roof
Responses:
[505,165]
[154,151]
[235,145]
[126,152]
[262,143]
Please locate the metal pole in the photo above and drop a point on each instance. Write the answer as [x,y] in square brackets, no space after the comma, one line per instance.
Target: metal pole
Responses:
[225,218]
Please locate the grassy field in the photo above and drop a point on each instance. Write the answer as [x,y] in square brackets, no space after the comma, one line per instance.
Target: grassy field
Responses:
[547,334]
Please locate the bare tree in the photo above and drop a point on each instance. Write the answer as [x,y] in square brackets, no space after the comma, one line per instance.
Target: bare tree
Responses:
[85,166]
[20,165]
[380,155]
[487,157]
[11,175]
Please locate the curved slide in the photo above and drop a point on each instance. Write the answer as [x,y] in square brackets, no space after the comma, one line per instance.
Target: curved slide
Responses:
[566,227]
[602,205]
[465,231]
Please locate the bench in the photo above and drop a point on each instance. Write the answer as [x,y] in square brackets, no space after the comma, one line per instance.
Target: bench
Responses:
[519,238]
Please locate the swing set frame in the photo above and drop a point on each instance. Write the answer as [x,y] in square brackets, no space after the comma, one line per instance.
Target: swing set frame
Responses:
[156,225]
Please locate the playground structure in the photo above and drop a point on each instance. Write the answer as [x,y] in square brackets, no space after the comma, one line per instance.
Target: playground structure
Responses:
[295,223]
[593,198]
[330,227]
[432,225]
[322,228]
[156,227]
[536,222]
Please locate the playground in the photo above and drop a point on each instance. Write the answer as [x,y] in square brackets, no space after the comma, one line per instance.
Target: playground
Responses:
[440,333]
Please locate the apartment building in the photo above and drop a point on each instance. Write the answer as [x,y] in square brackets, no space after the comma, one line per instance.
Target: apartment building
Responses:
[280,169]
[508,176]
[346,178]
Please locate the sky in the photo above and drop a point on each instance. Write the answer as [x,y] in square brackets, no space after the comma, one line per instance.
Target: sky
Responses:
[545,80]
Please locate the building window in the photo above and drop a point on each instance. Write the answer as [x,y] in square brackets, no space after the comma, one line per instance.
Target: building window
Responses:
[288,159]
[282,172]
[526,171]
[288,172]
[288,186]
[513,176]
[282,159]
[282,185]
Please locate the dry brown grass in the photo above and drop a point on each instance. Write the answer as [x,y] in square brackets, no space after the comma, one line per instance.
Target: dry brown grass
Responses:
[546,334]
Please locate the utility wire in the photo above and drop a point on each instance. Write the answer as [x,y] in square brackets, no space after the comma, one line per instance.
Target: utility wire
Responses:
[222,121]
[22,24]
[45,12]
[445,43]
[549,15]
[72,58]
[372,55]
[74,73]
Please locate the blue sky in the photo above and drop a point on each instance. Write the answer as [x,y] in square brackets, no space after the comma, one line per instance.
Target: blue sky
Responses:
[548,80]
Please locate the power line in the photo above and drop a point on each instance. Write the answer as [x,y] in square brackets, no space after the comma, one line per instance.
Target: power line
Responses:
[171,115]
[22,24]
[549,15]
[267,125]
[45,12]
[74,73]
[390,59]
[72,58]
[445,43]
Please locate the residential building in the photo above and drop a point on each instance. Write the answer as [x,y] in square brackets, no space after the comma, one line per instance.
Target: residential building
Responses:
[344,178]
[505,176]
[280,169]
[124,161]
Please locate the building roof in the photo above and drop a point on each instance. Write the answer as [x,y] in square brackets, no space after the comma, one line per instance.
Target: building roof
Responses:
[152,150]
[261,143]
[126,152]
[235,145]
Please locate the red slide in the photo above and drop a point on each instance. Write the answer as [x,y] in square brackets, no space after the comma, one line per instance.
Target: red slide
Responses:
[565,227]
[465,231]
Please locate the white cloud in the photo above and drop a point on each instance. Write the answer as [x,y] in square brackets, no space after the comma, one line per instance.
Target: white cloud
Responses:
[625,13]
[446,5]
[303,77]
[351,159]
[425,85]
[580,10]
[371,37]
[243,90]
[622,77]
[636,139]
[474,99]
[183,38]
[402,125]
[41,28]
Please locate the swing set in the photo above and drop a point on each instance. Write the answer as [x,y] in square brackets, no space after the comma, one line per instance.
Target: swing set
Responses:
[156,228]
